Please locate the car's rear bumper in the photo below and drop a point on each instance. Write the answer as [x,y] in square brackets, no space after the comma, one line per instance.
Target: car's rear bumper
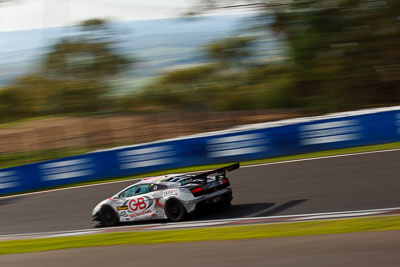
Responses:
[224,198]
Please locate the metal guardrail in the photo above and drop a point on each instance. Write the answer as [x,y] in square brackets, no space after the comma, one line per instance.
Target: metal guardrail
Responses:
[257,141]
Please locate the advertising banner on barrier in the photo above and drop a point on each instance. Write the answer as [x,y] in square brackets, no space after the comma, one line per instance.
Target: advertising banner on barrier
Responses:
[239,144]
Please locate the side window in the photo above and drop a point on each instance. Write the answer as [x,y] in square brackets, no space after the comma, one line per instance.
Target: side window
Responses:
[142,189]
[136,190]
[129,192]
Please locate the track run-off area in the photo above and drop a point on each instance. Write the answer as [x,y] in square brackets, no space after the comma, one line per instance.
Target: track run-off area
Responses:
[367,183]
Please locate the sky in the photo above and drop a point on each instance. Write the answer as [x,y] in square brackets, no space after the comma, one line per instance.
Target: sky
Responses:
[33,14]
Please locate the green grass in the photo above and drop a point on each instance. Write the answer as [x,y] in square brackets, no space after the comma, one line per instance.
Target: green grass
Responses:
[21,158]
[322,227]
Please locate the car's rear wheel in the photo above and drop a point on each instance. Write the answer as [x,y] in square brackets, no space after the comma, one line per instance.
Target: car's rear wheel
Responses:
[174,210]
[108,217]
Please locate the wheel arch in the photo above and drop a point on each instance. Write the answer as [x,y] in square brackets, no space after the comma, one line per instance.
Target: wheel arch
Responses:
[174,199]
[180,203]
[106,205]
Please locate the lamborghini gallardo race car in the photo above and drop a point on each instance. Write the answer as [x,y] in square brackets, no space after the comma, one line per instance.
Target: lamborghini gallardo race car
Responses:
[166,197]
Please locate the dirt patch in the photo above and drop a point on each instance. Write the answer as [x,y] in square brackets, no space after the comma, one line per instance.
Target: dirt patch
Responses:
[99,131]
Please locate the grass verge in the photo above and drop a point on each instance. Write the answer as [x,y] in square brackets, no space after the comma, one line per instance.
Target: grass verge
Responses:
[366,224]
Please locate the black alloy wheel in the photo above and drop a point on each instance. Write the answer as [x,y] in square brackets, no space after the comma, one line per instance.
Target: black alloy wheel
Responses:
[108,216]
[174,210]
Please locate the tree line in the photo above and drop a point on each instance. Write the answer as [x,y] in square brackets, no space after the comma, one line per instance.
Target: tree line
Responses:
[339,55]
[73,76]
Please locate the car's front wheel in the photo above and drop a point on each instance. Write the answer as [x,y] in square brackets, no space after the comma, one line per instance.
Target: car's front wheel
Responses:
[174,210]
[108,217]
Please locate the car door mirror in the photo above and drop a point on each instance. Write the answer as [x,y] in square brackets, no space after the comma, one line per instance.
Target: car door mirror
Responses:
[119,196]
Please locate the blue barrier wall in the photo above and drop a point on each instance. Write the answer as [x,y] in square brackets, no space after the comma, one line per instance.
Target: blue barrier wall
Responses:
[253,142]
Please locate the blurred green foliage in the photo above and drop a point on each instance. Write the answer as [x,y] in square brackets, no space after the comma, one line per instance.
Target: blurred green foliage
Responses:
[341,55]
[232,80]
[344,53]
[74,77]
[231,50]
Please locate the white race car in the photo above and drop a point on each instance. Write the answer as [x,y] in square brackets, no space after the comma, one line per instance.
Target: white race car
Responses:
[166,197]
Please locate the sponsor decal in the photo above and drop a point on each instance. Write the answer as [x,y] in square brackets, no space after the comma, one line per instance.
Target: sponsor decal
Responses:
[170,192]
[237,145]
[138,214]
[66,169]
[137,204]
[329,132]
[398,122]
[145,157]
[158,203]
[8,179]
[135,207]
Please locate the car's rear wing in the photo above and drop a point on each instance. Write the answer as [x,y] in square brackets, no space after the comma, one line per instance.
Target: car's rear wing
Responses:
[203,176]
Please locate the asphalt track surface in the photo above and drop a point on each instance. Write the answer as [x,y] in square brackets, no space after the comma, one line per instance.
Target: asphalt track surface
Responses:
[367,181]
[368,249]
